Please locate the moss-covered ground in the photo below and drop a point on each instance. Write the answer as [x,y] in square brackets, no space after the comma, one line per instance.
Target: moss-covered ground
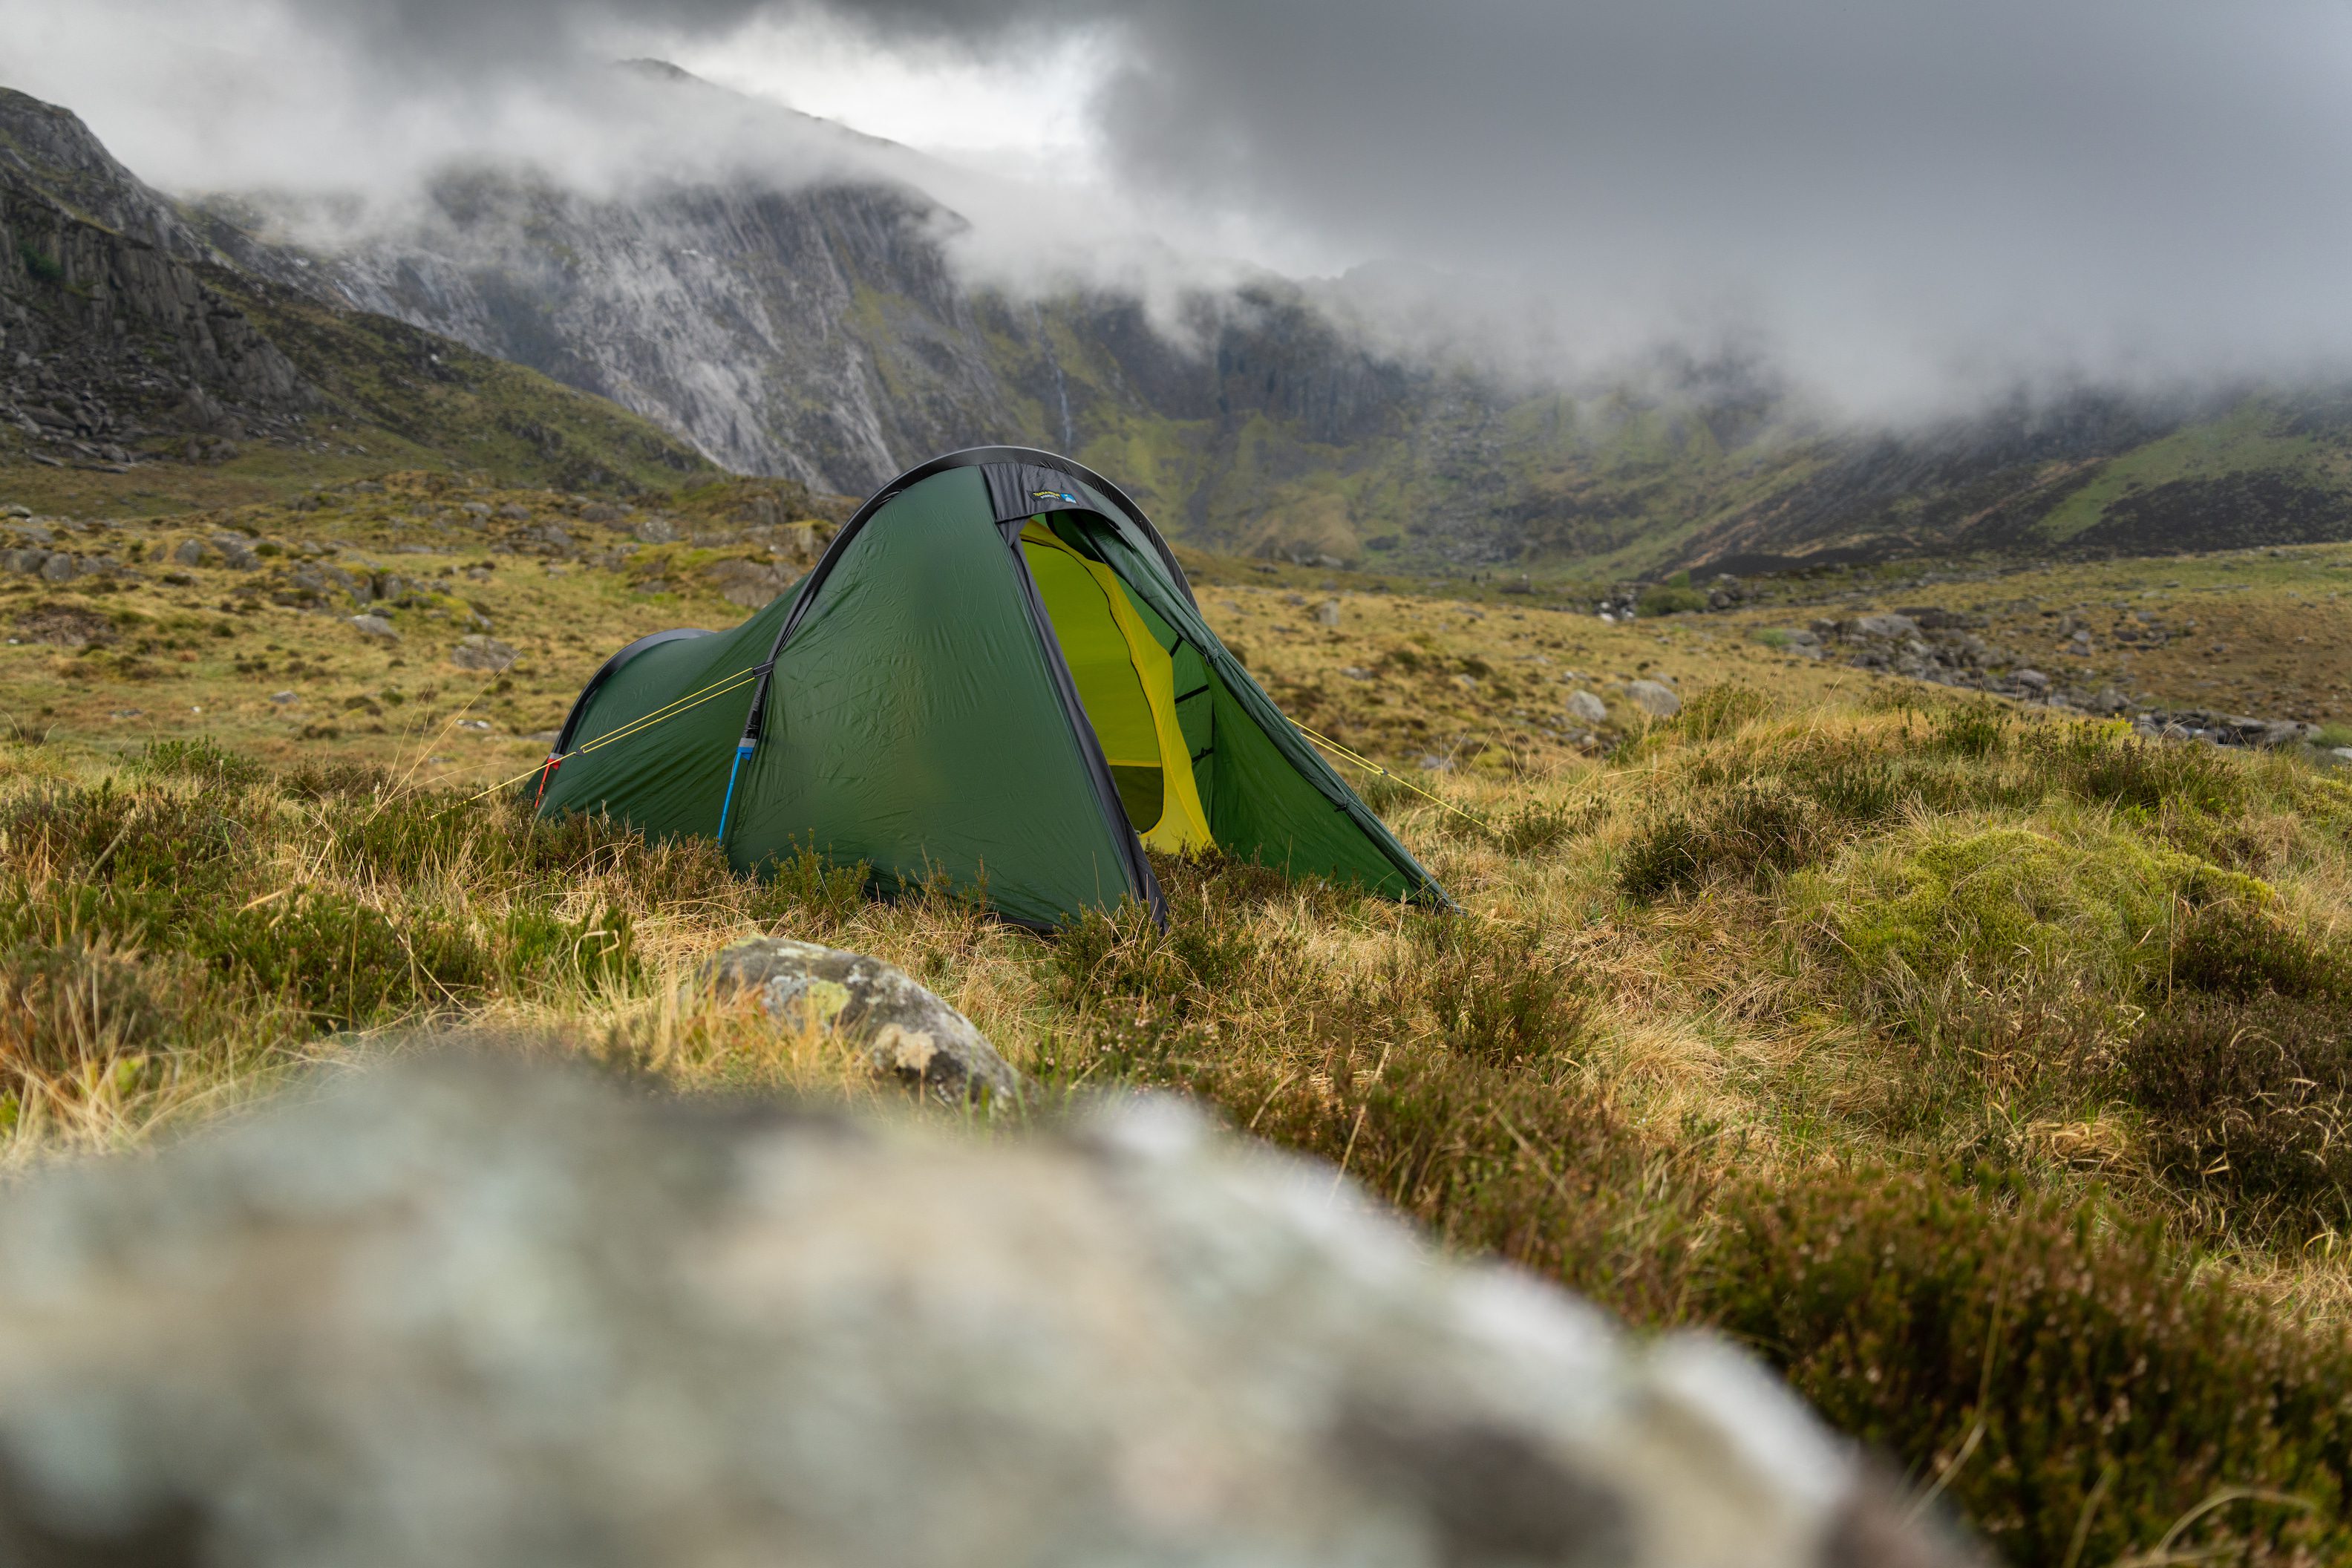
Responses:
[1988,1071]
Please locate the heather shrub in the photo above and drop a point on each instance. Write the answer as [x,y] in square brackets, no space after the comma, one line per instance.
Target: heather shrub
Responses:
[2248,1107]
[1750,834]
[2068,1377]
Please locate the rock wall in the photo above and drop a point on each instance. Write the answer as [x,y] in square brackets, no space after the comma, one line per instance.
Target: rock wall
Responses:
[107,329]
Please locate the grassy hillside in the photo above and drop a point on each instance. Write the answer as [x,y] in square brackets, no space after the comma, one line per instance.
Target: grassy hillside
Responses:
[392,398]
[1446,472]
[1985,1070]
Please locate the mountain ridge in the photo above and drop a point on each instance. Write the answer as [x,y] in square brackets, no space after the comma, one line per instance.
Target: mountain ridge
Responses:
[822,329]
[127,338]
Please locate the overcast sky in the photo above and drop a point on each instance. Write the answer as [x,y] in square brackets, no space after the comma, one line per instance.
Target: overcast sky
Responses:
[1899,199]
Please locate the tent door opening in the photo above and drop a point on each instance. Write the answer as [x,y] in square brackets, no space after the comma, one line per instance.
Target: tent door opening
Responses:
[1125,682]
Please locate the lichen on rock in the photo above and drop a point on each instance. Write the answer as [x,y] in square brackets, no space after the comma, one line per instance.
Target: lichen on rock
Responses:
[486,1314]
[905,1030]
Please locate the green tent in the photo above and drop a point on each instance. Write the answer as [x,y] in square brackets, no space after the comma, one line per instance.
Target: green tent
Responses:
[996,673]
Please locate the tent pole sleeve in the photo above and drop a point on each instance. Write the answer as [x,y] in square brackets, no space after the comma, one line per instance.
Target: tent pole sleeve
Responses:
[742,750]
[747,744]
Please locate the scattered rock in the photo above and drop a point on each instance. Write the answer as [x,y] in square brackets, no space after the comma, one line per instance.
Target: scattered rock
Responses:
[602,513]
[200,413]
[1891,627]
[2031,679]
[468,1313]
[482,653]
[1655,699]
[2224,728]
[1328,613]
[1356,672]
[375,627]
[318,580]
[2280,732]
[65,625]
[656,529]
[904,1030]
[14,509]
[194,553]
[515,512]
[284,697]
[749,584]
[235,553]
[1588,708]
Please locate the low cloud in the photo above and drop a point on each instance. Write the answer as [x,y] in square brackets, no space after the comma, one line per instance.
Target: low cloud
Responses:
[1900,206]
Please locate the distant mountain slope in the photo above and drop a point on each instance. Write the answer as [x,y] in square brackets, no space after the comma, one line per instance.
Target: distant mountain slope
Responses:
[127,338]
[820,330]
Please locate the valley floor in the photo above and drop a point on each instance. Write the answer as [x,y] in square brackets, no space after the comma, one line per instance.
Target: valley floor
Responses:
[1986,1070]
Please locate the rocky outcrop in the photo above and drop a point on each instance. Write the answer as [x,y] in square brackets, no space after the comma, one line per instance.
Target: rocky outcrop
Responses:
[48,149]
[474,1315]
[109,331]
[904,1030]
[1926,644]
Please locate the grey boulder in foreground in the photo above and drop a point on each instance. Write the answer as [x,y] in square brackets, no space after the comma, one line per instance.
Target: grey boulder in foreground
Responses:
[460,1313]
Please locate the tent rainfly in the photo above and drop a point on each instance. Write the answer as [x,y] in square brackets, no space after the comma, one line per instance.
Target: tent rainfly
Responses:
[996,674]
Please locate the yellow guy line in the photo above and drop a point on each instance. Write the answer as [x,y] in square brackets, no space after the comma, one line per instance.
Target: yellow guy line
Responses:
[647,722]
[1339,751]
[635,726]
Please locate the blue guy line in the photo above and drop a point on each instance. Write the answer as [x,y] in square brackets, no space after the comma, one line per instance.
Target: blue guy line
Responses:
[742,750]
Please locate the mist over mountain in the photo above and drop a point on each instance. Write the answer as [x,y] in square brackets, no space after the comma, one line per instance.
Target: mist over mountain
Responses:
[1517,343]
[1910,211]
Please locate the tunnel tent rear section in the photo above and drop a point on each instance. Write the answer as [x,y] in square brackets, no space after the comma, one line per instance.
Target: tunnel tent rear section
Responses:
[997,679]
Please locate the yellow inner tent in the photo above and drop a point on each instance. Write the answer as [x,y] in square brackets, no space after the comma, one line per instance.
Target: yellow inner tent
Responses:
[1127,682]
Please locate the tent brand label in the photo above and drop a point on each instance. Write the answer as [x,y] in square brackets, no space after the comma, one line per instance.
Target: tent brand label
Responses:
[1063,496]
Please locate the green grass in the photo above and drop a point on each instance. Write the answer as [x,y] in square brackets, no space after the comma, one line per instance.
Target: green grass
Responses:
[1875,1030]
[419,400]
[2247,439]
[39,266]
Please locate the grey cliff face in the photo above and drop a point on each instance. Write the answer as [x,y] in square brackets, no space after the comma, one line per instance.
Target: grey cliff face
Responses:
[49,148]
[819,333]
[476,1315]
[723,314]
[106,317]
